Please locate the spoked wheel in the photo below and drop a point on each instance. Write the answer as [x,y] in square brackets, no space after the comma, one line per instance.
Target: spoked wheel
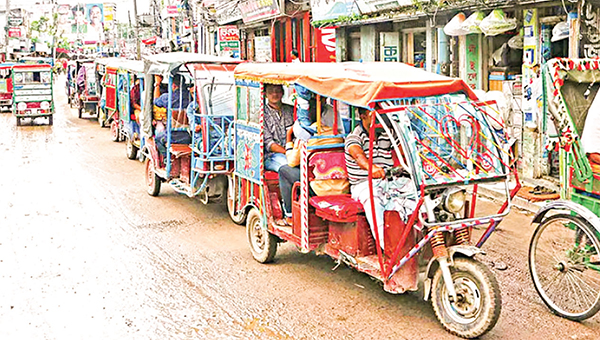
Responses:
[478,304]
[152,180]
[240,217]
[564,266]
[115,132]
[131,149]
[263,244]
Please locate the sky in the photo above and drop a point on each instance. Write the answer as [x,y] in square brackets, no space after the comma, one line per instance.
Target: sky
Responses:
[123,6]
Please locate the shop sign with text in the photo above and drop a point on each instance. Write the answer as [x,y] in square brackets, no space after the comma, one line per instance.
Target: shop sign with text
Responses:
[227,11]
[325,38]
[590,31]
[473,61]
[229,33]
[256,10]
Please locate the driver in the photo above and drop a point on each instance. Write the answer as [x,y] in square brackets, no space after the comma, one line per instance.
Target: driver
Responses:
[357,163]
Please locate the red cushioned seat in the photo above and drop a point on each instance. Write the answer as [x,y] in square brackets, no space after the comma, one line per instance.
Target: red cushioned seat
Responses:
[271,175]
[336,208]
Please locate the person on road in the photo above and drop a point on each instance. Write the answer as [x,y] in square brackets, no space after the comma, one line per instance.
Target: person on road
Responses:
[294,56]
[278,118]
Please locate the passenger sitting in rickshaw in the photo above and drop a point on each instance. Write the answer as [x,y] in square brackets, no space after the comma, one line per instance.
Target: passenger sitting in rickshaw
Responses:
[590,138]
[180,99]
[357,164]
[135,99]
[278,117]
[81,78]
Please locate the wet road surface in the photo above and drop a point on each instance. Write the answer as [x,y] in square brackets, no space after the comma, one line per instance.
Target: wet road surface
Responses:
[85,253]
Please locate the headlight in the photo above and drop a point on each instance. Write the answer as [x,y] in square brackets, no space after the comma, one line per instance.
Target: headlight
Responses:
[45,105]
[454,199]
[22,106]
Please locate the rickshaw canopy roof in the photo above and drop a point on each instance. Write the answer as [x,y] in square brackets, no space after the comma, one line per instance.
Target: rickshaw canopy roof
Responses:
[357,84]
[164,63]
[135,66]
[32,67]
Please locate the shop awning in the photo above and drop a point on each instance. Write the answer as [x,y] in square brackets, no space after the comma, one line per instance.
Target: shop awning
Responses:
[358,84]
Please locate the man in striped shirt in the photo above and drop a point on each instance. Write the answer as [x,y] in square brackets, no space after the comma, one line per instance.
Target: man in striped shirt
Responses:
[357,163]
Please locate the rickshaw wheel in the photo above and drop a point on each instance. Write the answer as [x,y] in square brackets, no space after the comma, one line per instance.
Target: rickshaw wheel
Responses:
[80,110]
[50,120]
[563,263]
[478,304]
[152,180]
[240,218]
[131,149]
[18,121]
[263,244]
[115,134]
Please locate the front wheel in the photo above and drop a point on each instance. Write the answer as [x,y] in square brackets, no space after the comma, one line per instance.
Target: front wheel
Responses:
[478,303]
[131,149]
[115,132]
[152,180]
[564,266]
[240,217]
[263,244]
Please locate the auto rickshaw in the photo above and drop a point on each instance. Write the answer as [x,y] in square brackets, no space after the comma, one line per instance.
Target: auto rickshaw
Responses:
[100,67]
[563,254]
[71,89]
[196,157]
[87,97]
[445,143]
[32,96]
[6,88]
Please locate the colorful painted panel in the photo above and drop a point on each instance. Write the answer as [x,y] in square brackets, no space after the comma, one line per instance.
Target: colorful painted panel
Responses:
[454,142]
[242,103]
[248,154]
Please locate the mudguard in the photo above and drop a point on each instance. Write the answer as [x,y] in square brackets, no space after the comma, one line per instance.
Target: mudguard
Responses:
[461,250]
[579,209]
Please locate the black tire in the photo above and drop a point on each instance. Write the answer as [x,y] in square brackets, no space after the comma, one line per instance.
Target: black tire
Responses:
[559,264]
[263,244]
[131,149]
[153,182]
[50,120]
[240,217]
[479,301]
[18,121]
[80,110]
[115,133]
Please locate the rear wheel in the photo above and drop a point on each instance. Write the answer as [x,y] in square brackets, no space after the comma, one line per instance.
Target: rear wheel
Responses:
[50,120]
[564,266]
[101,117]
[478,304]
[115,133]
[263,244]
[18,121]
[152,180]
[131,149]
[240,217]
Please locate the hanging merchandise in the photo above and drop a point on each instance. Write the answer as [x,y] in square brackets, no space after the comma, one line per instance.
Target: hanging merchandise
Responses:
[471,24]
[496,23]
[560,31]
[516,42]
[454,26]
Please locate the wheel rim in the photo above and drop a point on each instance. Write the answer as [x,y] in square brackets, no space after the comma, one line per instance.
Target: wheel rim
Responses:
[114,130]
[150,174]
[231,196]
[469,300]
[257,235]
[561,268]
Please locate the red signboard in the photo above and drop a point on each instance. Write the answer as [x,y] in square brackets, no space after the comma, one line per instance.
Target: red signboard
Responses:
[14,32]
[229,33]
[255,10]
[325,38]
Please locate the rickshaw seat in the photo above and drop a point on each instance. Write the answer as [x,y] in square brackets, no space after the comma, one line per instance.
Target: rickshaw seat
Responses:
[337,208]
[179,150]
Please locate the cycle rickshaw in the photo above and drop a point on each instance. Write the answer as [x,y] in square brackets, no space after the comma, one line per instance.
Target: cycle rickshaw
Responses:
[563,253]
[445,144]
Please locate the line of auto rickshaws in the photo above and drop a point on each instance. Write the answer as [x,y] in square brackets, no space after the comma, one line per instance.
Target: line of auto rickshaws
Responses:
[198,122]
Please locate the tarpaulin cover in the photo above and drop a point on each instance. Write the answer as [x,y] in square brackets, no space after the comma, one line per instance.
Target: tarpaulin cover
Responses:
[357,84]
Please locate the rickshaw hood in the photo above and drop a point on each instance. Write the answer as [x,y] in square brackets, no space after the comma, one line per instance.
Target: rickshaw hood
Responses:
[358,84]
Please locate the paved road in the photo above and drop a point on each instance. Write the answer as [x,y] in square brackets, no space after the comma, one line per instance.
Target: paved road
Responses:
[85,253]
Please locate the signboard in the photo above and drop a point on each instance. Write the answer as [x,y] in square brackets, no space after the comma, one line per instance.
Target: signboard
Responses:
[256,10]
[372,6]
[262,49]
[331,10]
[227,11]
[472,60]
[171,11]
[14,32]
[15,21]
[228,33]
[229,48]
[85,22]
[325,38]
[389,46]
[590,31]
